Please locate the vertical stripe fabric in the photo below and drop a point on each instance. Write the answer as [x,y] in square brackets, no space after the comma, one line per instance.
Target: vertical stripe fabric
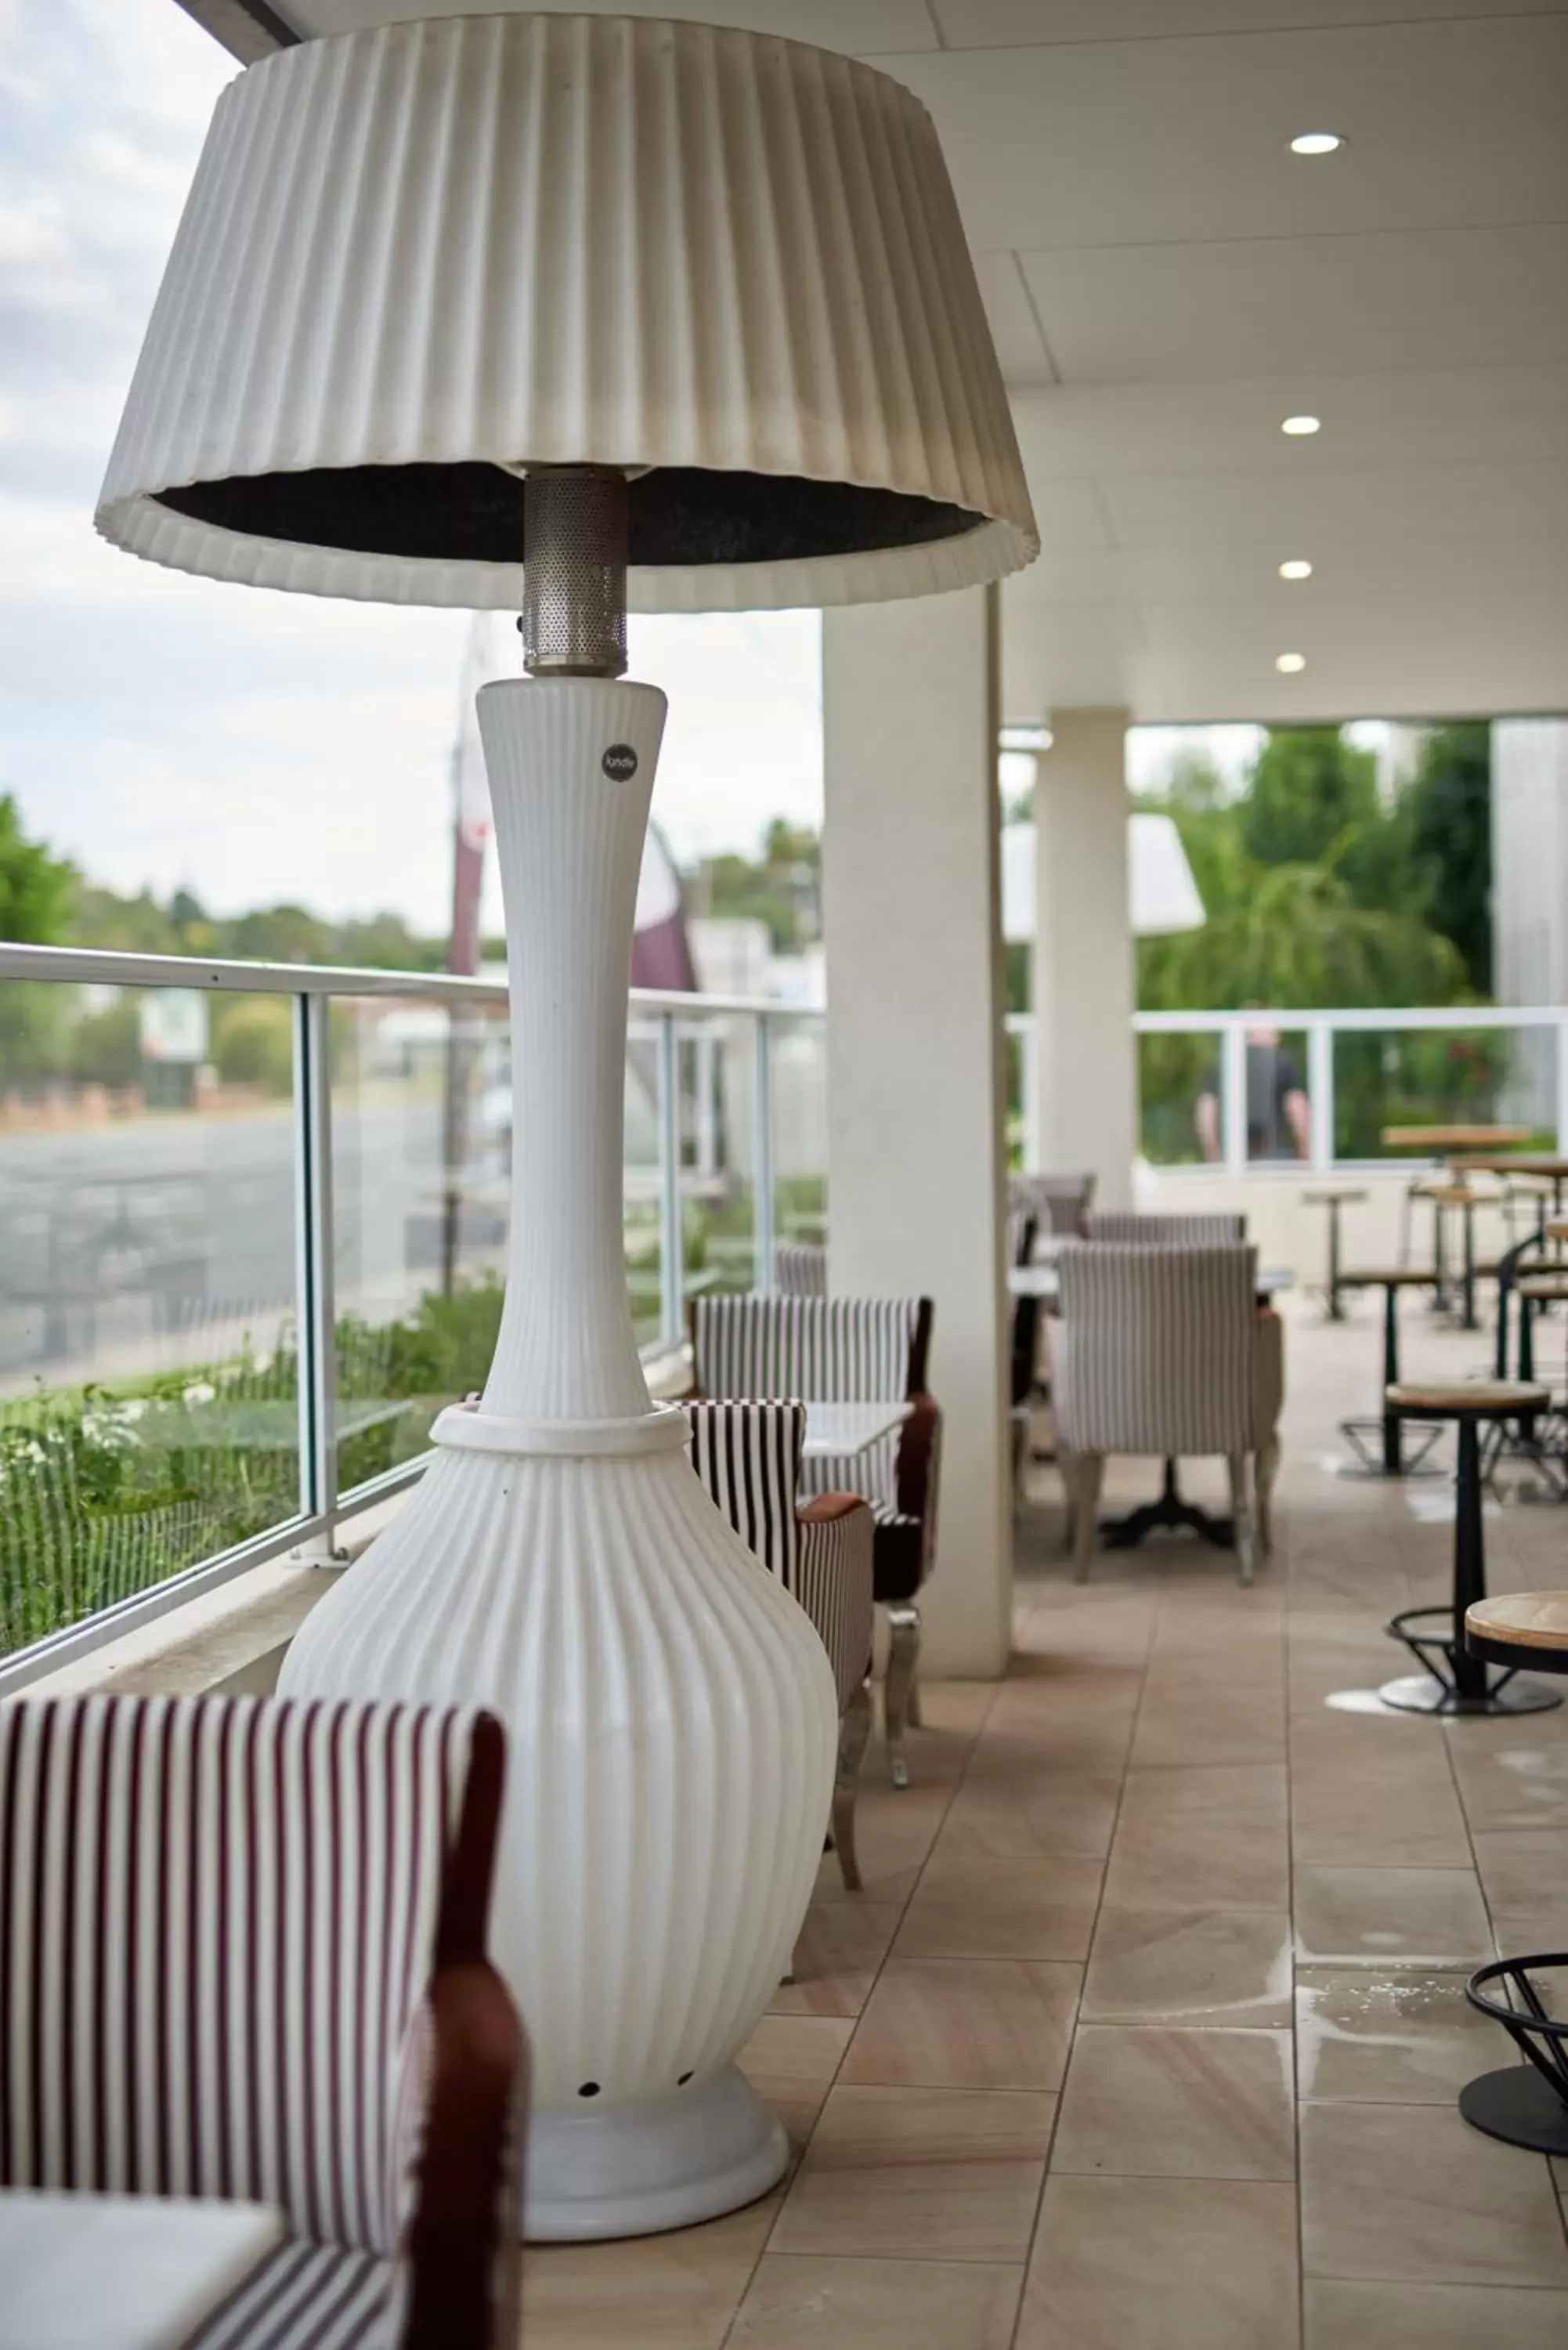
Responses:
[217,1918]
[1061,1201]
[748,1455]
[1166,1231]
[800,1269]
[825,1350]
[1155,1349]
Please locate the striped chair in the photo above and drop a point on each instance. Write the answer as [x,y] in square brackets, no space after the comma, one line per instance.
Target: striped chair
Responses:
[1166,1231]
[241,1957]
[1166,1351]
[850,1350]
[748,1457]
[800,1269]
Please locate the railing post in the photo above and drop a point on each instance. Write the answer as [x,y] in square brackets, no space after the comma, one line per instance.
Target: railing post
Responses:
[1320,1094]
[762,1155]
[315,1301]
[1233,1097]
[672,1238]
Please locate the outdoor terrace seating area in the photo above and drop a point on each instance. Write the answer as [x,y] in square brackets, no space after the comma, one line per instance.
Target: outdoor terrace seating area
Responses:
[1147,2029]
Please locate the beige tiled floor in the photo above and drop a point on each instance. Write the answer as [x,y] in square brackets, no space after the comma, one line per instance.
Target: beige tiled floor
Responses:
[1147,2030]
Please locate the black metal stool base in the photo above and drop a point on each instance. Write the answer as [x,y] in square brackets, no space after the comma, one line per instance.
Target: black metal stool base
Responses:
[1425,1693]
[1516,2105]
[1525,2104]
[1366,1438]
[1452,1681]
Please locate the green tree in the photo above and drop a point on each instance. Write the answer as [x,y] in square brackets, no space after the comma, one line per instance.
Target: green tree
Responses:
[781,887]
[1450,806]
[35,888]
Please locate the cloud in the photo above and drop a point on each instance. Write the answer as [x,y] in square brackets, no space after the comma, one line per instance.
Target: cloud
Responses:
[254,745]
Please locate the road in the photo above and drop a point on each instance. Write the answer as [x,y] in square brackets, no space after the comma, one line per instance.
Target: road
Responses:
[123,1246]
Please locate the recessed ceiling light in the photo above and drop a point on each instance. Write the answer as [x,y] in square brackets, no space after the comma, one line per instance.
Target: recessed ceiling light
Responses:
[1315,143]
[1290,664]
[1297,568]
[1299,424]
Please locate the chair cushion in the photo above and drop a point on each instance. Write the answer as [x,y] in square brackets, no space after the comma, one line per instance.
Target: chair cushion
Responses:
[309,2294]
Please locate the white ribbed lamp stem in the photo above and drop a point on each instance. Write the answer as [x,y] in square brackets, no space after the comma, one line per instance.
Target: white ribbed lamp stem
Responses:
[569,841]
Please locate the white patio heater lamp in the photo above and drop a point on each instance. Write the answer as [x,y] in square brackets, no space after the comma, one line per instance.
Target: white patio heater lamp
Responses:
[557,314]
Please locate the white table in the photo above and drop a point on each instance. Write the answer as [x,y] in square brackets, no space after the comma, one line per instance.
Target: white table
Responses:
[123,2272]
[839,1428]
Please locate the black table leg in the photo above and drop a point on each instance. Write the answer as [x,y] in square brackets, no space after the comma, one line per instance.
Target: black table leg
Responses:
[1335,1307]
[1392,1447]
[1467,1317]
[1171,1510]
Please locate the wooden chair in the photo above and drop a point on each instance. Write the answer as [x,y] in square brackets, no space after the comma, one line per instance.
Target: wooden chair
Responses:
[242,1943]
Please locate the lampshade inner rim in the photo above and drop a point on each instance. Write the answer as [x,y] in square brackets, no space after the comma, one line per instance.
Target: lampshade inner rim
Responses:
[472,512]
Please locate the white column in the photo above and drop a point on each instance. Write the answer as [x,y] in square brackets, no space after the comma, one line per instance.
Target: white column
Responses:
[914,1041]
[1084,966]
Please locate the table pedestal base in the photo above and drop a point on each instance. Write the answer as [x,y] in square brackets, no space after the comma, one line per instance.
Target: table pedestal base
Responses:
[1171,1510]
[1518,2105]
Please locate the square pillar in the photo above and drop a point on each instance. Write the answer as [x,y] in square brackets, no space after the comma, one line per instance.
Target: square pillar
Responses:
[1084,974]
[915,1147]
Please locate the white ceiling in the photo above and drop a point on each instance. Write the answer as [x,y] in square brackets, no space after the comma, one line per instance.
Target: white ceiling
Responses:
[1166,282]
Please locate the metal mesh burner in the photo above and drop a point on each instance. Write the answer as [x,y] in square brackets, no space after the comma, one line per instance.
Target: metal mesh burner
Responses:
[574,572]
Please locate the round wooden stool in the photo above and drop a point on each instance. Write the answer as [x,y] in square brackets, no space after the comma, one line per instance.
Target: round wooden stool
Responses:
[1387,1457]
[1524,2105]
[1453,1679]
[1334,1198]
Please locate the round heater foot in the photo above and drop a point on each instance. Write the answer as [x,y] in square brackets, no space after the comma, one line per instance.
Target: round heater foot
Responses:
[1424,1693]
[637,2170]
[1517,2105]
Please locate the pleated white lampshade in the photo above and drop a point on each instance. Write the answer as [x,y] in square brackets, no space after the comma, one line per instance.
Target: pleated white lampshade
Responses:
[419,260]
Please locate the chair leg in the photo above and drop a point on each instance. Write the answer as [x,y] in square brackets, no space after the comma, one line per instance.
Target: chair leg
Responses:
[1265,1469]
[914,1710]
[854,1730]
[1236,1463]
[1091,1467]
[1067,1462]
[903,1655]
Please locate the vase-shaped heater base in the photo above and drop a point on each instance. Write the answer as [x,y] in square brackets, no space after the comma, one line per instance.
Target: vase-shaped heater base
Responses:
[671,1713]
[670,2163]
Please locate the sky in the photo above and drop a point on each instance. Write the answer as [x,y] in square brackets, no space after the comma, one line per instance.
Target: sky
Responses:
[246,744]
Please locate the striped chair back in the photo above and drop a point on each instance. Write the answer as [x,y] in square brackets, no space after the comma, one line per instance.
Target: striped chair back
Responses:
[800,1269]
[748,1457]
[217,1918]
[1166,1231]
[820,1350]
[1154,1349]
[1061,1201]
[1023,1223]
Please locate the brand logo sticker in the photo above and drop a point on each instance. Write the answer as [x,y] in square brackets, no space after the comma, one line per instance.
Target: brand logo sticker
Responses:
[619,763]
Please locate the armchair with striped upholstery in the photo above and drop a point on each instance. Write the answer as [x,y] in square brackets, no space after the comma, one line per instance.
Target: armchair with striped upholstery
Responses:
[1166,1351]
[748,1457]
[850,1350]
[241,1942]
[1164,1232]
[1061,1201]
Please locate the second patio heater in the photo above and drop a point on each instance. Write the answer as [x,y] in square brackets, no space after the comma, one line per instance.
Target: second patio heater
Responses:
[557,314]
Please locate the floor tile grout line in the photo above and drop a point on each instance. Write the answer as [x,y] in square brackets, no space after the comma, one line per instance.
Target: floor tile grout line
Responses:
[1046,2168]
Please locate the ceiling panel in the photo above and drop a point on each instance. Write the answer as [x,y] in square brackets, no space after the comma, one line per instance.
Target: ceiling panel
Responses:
[1425,507]
[1148,141]
[986,24]
[1438,298]
[1411,416]
[1025,361]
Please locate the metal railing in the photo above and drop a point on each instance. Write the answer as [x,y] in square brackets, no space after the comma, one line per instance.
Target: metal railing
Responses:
[1526,1086]
[702,1178]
